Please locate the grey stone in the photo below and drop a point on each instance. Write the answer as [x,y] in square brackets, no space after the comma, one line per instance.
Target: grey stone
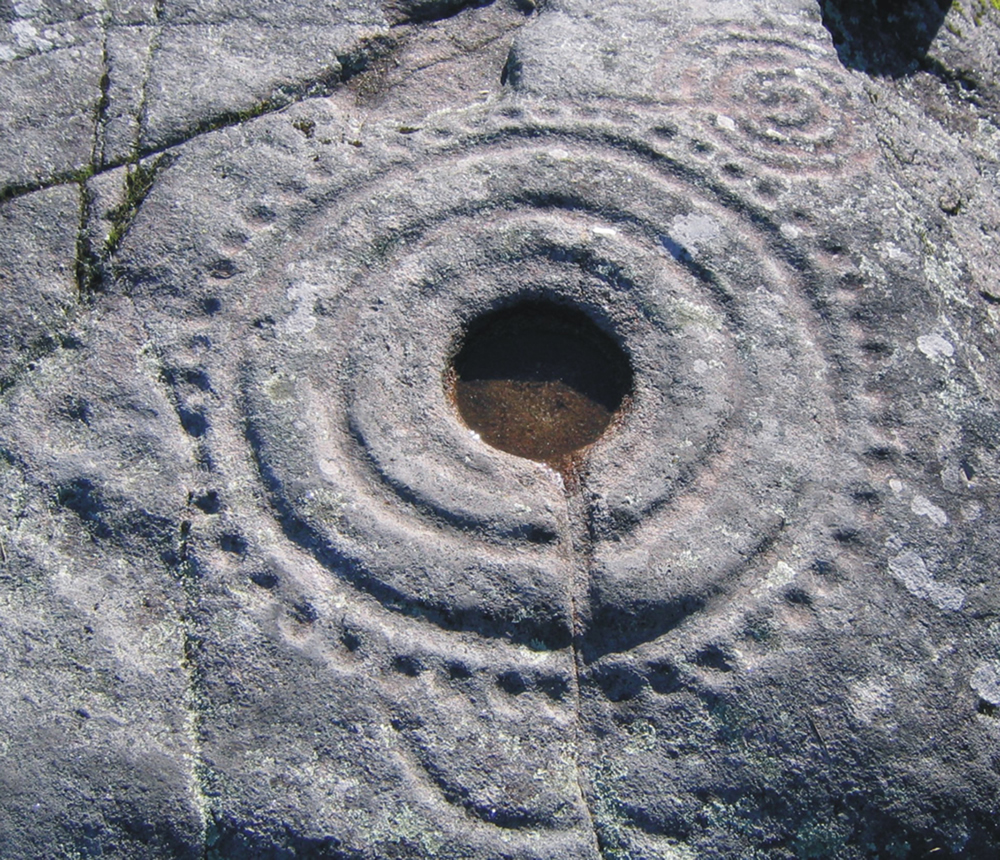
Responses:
[128,60]
[213,62]
[38,236]
[54,138]
[97,732]
[986,681]
[264,594]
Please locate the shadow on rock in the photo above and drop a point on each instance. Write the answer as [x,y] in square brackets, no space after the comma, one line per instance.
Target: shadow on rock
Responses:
[884,38]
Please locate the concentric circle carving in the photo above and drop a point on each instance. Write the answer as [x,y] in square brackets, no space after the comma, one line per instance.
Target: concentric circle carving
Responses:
[370,467]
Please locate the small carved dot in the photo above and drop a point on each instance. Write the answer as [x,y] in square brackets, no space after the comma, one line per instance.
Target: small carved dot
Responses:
[233,543]
[513,683]
[713,657]
[264,578]
[206,501]
[824,567]
[458,671]
[222,269]
[554,686]
[798,597]
[304,612]
[407,665]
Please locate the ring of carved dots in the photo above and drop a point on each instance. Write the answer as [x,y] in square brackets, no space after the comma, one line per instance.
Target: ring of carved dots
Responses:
[362,468]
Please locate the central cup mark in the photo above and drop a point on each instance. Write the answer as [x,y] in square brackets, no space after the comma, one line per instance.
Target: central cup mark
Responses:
[539,380]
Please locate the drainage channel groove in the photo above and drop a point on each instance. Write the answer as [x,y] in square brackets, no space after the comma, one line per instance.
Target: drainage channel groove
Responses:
[542,381]
[505,448]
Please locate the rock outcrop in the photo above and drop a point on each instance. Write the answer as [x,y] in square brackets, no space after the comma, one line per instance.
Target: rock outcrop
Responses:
[263,592]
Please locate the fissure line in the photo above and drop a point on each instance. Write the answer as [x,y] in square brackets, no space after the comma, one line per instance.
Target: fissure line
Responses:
[578,556]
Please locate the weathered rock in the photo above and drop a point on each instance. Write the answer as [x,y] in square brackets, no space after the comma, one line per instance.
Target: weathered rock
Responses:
[50,81]
[39,234]
[265,595]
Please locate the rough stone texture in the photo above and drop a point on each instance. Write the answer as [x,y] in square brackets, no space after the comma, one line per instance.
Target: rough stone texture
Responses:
[262,594]
[54,137]
[38,233]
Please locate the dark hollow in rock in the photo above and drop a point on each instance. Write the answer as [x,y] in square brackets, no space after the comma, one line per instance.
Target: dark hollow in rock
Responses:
[458,672]
[207,501]
[264,578]
[619,683]
[713,657]
[407,665]
[539,380]
[304,612]
[83,498]
[233,543]
[554,686]
[512,683]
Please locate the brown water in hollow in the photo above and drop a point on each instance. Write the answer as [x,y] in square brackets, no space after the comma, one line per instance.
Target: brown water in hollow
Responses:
[539,380]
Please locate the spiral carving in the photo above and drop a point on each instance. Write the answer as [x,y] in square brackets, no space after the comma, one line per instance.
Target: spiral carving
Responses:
[779,100]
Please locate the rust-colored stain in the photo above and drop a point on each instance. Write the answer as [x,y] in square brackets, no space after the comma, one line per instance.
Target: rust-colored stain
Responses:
[539,380]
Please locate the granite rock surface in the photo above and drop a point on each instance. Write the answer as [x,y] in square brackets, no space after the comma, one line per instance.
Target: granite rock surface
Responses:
[264,595]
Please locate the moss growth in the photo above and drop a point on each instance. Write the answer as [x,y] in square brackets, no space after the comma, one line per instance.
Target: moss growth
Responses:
[610,816]
[976,11]
[139,180]
[237,117]
[90,260]
[822,838]
[20,189]
[306,126]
